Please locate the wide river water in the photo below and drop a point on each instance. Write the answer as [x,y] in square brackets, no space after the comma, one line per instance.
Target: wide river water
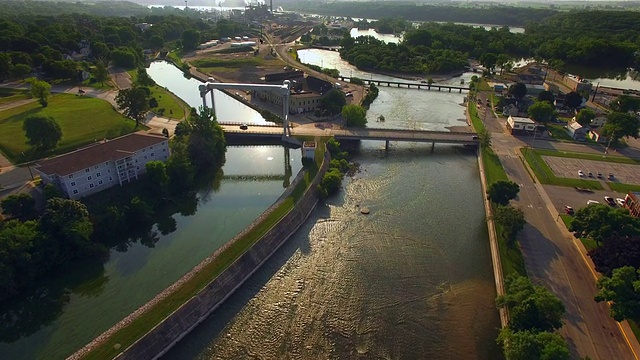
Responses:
[411,280]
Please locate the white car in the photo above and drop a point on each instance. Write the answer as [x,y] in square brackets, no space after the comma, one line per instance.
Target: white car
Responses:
[590,202]
[620,202]
[580,173]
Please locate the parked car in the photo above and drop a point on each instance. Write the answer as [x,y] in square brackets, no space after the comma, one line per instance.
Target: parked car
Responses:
[610,200]
[611,177]
[580,173]
[474,137]
[591,202]
[600,176]
[590,175]
[244,127]
[568,210]
[620,201]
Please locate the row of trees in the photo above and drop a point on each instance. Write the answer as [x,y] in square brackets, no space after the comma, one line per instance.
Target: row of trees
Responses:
[436,48]
[45,41]
[617,256]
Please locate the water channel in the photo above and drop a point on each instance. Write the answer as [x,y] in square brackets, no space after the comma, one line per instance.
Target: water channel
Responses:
[411,280]
[64,315]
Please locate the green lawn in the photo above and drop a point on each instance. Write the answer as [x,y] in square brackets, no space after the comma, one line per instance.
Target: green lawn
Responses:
[558,132]
[492,167]
[545,175]
[144,323]
[173,106]
[623,188]
[82,119]
[11,95]
[510,258]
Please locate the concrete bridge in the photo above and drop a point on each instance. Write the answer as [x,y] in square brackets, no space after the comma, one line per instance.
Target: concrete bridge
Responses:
[415,85]
[274,132]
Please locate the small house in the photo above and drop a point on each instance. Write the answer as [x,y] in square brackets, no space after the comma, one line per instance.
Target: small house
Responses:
[576,131]
[596,135]
[517,124]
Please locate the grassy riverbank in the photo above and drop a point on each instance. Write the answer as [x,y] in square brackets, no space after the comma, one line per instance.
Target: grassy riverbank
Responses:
[139,326]
[510,256]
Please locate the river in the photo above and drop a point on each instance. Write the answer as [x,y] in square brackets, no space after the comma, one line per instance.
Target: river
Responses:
[411,280]
[64,315]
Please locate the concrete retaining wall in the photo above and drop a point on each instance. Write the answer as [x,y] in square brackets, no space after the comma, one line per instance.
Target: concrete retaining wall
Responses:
[166,334]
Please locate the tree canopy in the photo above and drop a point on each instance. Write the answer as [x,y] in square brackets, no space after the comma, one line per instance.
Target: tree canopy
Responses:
[619,125]
[333,101]
[531,345]
[40,90]
[542,111]
[622,289]
[615,252]
[20,206]
[134,102]
[354,115]
[43,132]
[531,307]
[510,221]
[501,191]
[518,90]
[585,116]
[601,222]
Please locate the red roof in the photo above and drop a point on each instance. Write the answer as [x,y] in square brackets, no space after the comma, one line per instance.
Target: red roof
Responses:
[109,150]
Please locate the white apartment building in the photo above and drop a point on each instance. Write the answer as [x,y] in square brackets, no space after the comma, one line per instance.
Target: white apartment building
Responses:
[97,167]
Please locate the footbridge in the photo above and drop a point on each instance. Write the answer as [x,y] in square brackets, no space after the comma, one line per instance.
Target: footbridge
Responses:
[409,85]
[258,132]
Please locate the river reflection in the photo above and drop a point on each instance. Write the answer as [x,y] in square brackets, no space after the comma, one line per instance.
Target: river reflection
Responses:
[62,315]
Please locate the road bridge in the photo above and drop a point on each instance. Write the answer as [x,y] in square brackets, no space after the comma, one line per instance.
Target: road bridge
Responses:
[409,85]
[258,132]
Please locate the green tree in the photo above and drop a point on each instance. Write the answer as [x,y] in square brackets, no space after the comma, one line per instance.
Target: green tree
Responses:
[573,100]
[206,142]
[190,39]
[51,191]
[502,61]
[622,291]
[354,115]
[156,42]
[157,177]
[585,116]
[510,220]
[134,102]
[21,71]
[330,182]
[19,206]
[5,65]
[333,101]
[530,345]
[489,60]
[67,229]
[100,72]
[546,96]
[40,90]
[518,90]
[626,103]
[179,167]
[124,57]
[484,136]
[541,111]
[619,125]
[143,78]
[615,252]
[531,307]
[17,265]
[600,222]
[501,191]
[43,132]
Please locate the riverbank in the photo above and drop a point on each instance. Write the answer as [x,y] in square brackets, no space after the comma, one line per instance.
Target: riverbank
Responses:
[150,317]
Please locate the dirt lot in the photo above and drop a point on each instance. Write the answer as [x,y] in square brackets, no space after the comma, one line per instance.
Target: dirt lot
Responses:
[568,168]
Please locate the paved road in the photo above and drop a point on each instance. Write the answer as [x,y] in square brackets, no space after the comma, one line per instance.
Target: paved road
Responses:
[553,259]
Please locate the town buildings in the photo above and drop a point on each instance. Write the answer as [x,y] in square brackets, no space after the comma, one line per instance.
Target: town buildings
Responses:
[103,165]
[632,202]
[306,92]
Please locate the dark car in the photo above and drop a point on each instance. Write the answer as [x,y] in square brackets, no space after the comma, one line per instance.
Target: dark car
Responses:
[610,200]
[475,137]
[568,210]
[244,127]
[611,177]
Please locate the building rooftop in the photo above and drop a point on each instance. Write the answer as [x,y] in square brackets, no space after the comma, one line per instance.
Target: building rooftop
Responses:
[522,119]
[108,150]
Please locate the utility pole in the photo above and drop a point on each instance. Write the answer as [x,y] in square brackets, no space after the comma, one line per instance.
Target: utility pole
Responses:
[595,92]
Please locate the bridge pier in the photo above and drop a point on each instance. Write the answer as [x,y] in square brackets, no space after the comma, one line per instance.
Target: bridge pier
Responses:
[439,88]
[459,91]
[449,89]
[386,145]
[433,146]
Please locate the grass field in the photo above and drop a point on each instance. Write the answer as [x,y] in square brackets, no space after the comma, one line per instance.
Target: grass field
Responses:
[141,325]
[623,188]
[11,95]
[585,156]
[82,119]
[173,106]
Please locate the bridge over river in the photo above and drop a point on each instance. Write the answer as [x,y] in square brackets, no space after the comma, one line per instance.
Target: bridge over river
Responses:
[258,132]
[409,85]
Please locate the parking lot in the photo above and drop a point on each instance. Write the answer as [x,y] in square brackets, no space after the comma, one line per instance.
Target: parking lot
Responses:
[562,195]
[568,168]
